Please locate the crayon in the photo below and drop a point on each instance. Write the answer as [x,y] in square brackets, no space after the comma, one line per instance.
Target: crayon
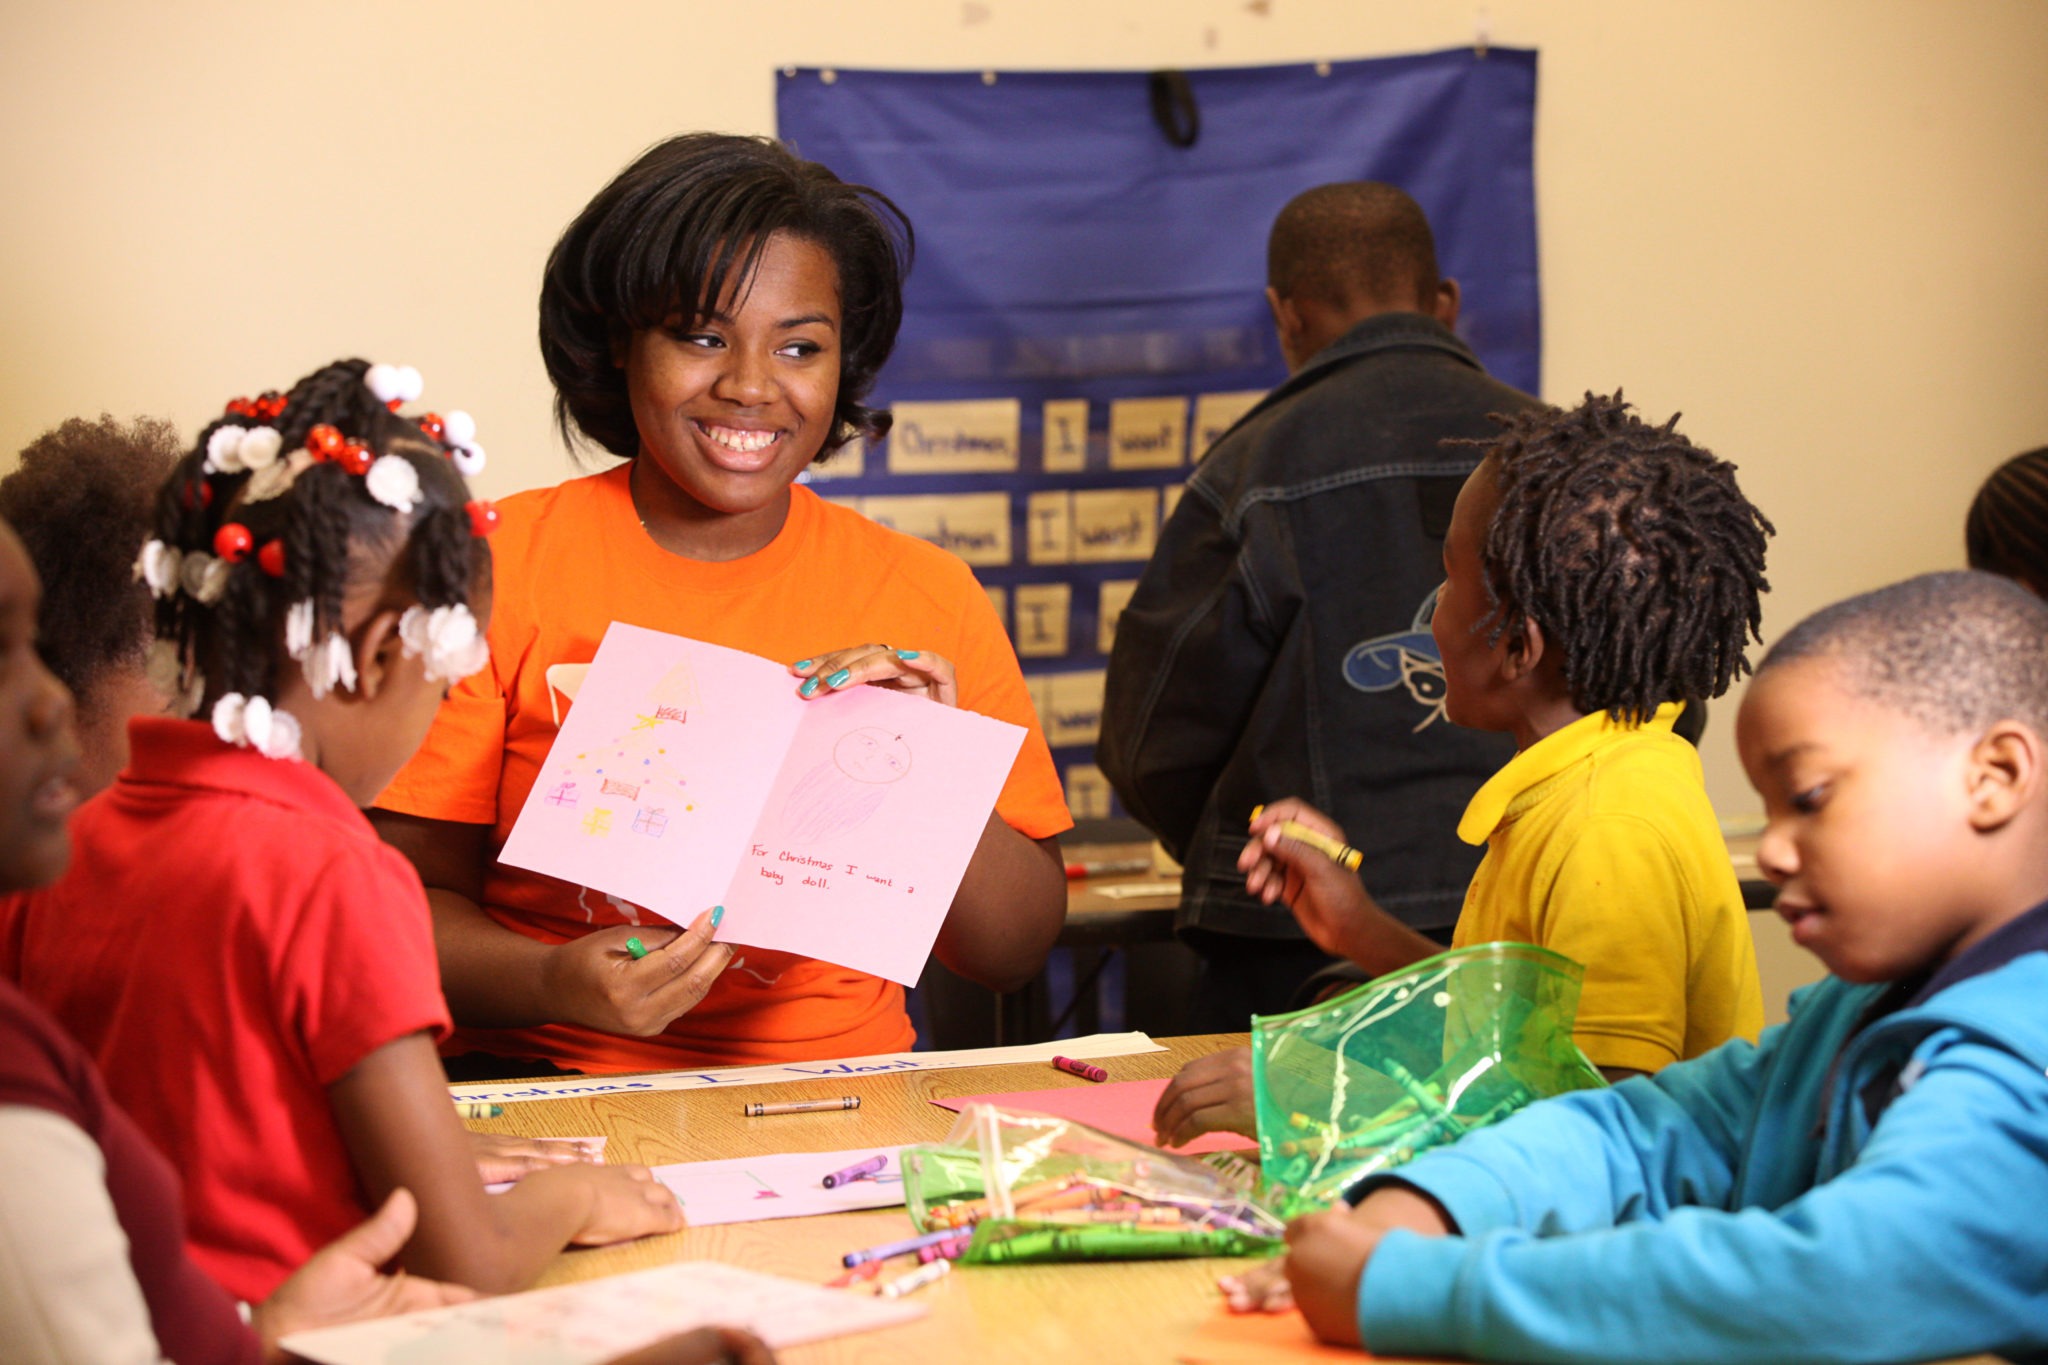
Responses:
[859,1170]
[941,1251]
[755,1111]
[866,1270]
[914,1281]
[903,1248]
[1108,867]
[1085,1070]
[476,1109]
[1344,855]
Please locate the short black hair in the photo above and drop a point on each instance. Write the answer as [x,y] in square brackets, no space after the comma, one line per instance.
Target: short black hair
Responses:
[81,502]
[673,231]
[1357,241]
[1632,548]
[2006,531]
[331,531]
[1955,651]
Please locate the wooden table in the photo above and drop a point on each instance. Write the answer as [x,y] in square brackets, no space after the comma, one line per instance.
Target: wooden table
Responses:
[1130,1312]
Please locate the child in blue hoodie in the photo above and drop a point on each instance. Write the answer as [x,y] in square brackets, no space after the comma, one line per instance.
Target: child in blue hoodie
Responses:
[1870,1181]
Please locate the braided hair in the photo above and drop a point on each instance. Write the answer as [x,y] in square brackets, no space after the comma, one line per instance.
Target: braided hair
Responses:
[2006,532]
[1632,548]
[309,542]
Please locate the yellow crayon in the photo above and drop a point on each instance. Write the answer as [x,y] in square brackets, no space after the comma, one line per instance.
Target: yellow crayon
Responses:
[1344,855]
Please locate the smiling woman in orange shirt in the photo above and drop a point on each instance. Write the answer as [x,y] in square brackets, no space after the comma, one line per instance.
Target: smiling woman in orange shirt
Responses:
[716,316]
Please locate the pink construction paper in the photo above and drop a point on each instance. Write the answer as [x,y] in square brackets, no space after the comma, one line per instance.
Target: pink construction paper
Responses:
[688,775]
[1123,1108]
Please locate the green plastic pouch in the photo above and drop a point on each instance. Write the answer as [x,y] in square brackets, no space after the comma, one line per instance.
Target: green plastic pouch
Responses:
[1411,1061]
[1032,1187]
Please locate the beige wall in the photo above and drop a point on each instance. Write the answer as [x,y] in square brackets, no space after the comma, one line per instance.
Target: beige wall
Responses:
[1816,228]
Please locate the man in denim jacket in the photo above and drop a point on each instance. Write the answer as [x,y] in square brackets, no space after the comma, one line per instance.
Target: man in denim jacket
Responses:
[1278,643]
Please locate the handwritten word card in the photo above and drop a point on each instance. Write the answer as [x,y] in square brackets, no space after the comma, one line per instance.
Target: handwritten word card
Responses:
[581,1324]
[688,775]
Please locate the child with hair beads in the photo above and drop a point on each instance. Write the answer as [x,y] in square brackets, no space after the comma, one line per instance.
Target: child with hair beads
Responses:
[1867,1183]
[1599,572]
[252,968]
[715,317]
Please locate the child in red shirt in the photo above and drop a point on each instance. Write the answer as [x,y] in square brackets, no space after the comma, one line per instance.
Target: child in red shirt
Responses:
[252,968]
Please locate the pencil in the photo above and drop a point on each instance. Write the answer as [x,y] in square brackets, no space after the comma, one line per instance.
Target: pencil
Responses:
[1344,855]
[475,1109]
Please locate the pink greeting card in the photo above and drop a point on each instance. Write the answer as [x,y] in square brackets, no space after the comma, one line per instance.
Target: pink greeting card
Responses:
[1123,1108]
[687,775]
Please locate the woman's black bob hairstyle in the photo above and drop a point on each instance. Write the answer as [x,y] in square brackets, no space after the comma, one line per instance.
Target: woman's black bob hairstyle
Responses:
[666,237]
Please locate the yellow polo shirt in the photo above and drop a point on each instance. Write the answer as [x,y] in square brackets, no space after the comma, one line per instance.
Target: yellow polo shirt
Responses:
[1601,845]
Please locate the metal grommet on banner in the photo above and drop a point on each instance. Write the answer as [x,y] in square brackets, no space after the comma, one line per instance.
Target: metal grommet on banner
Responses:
[828,76]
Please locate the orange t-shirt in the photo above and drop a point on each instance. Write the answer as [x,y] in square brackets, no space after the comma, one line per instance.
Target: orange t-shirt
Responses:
[572,559]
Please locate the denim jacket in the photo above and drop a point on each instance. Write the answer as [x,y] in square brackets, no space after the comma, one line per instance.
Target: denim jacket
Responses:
[1278,642]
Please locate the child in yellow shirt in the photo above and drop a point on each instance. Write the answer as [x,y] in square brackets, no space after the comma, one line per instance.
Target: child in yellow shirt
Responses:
[1598,573]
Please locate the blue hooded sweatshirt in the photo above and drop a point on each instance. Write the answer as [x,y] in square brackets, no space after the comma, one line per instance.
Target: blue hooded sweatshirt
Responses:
[1746,1206]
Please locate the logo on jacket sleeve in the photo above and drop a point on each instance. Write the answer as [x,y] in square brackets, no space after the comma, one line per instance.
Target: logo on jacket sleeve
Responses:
[1406,659]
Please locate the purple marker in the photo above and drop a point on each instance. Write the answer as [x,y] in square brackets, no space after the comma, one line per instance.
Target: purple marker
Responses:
[904,1247]
[859,1170]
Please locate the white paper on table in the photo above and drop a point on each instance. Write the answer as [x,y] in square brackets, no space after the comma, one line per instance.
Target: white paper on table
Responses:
[580,1324]
[751,1189]
[687,775]
[1090,1048]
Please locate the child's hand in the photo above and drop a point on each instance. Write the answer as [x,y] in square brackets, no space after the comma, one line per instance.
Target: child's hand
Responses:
[1328,902]
[596,981]
[1262,1289]
[627,1202]
[1326,1256]
[502,1156]
[705,1346]
[916,671]
[1211,1094]
[1404,1206]
[342,1281]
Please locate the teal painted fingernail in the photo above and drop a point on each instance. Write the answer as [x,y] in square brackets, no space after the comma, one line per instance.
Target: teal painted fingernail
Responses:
[906,654]
[839,679]
[810,686]
[803,663]
[636,948]
[717,914]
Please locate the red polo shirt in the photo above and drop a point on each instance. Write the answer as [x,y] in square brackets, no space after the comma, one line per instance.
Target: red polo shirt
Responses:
[231,939]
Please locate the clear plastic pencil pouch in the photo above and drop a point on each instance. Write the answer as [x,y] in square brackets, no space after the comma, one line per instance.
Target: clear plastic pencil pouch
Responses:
[1410,1061]
[1022,1187]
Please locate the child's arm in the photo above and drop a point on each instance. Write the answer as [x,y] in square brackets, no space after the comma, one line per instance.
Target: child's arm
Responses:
[400,1128]
[494,977]
[1927,1246]
[1332,905]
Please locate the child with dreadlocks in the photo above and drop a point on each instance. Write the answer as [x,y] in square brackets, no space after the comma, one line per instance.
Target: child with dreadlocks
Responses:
[1599,572]
[250,966]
